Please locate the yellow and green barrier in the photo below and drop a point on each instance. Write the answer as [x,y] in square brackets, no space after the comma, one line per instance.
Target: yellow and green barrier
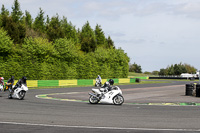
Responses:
[49,83]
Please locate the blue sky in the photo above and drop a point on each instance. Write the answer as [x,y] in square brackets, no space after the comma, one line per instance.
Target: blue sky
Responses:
[154,33]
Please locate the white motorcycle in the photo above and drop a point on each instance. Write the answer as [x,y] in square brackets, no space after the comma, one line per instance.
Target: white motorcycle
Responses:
[112,97]
[19,92]
[1,87]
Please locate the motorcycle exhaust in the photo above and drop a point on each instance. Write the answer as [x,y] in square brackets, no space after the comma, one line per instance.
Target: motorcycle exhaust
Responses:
[92,94]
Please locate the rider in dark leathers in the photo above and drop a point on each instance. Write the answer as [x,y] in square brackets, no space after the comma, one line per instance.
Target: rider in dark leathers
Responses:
[20,82]
[10,83]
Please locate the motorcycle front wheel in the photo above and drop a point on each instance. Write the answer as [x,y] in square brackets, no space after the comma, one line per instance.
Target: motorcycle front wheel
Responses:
[21,95]
[118,100]
[93,100]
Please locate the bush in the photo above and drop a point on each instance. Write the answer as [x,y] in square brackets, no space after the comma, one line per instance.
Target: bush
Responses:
[39,59]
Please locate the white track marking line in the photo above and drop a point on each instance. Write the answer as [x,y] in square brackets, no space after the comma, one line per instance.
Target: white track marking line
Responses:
[91,127]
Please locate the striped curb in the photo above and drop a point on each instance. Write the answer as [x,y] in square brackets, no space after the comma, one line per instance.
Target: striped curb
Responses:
[48,96]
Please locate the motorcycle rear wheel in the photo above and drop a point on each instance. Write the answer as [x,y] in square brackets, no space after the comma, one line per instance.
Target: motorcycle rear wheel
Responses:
[118,100]
[93,100]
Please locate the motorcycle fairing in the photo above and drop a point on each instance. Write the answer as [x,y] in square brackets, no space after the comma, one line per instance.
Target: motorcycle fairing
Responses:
[108,97]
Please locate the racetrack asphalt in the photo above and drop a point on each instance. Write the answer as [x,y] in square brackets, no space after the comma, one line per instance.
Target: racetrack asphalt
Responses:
[46,115]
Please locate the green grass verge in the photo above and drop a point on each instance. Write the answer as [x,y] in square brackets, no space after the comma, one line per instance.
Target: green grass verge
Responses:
[130,74]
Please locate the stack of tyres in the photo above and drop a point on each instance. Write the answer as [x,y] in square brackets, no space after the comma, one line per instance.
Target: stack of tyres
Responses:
[198,90]
[189,89]
[137,80]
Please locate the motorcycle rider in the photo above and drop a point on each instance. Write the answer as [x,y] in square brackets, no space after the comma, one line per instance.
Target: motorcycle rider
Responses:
[20,82]
[10,83]
[106,87]
[2,82]
[98,79]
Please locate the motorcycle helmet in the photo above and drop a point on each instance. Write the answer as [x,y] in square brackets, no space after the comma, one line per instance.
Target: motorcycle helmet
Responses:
[24,78]
[1,78]
[111,81]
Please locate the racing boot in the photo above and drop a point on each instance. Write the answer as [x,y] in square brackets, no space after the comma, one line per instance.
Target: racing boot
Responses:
[10,96]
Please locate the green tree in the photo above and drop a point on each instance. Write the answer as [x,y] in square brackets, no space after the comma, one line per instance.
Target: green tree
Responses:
[87,39]
[28,19]
[135,68]
[16,12]
[5,43]
[148,73]
[110,43]
[163,72]
[48,20]
[170,70]
[13,24]
[67,50]
[54,29]
[189,68]
[39,49]
[100,37]
[39,24]
[17,31]
[4,14]
[179,69]
[69,30]
[119,63]
[155,72]
[4,11]
[54,49]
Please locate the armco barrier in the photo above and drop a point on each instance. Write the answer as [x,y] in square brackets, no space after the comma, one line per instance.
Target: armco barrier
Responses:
[67,82]
[49,83]
[127,80]
[132,80]
[116,81]
[85,82]
[32,83]
[171,78]
[44,83]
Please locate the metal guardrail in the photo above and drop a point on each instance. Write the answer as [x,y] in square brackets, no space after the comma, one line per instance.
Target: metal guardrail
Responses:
[170,77]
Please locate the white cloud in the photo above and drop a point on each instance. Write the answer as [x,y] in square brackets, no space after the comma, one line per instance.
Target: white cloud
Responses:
[188,9]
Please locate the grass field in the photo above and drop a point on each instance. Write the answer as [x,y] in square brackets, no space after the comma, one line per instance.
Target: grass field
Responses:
[133,74]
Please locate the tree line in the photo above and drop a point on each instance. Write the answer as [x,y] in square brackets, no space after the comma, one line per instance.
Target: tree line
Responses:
[135,68]
[178,69]
[52,48]
[174,69]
